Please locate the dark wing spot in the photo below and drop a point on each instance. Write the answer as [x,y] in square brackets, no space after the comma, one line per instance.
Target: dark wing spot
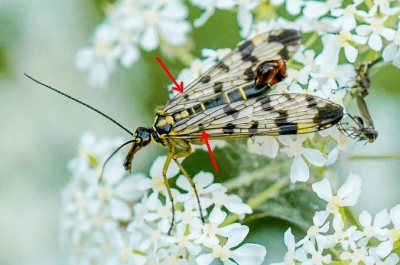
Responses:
[228,110]
[223,66]
[254,127]
[287,37]
[229,128]
[246,50]
[266,104]
[285,127]
[249,74]
[218,87]
[311,102]
[205,79]
[330,114]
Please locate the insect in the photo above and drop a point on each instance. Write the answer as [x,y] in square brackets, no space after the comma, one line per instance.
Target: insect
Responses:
[363,81]
[365,129]
[230,101]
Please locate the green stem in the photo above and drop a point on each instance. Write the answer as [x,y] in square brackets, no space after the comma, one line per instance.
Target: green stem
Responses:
[394,156]
[393,17]
[245,179]
[268,193]
[352,218]
[311,40]
[260,198]
[184,56]
[335,252]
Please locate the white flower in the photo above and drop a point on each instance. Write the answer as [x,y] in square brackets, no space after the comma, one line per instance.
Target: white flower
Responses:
[99,61]
[299,170]
[346,17]
[375,30]
[128,25]
[291,255]
[247,254]
[374,229]
[317,258]
[209,231]
[92,211]
[232,203]
[315,9]
[334,43]
[165,19]
[196,68]
[392,259]
[386,247]
[357,255]
[244,16]
[347,195]
[204,187]
[263,145]
[126,253]
[392,50]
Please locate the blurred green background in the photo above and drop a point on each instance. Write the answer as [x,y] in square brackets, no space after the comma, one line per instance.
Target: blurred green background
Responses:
[40,130]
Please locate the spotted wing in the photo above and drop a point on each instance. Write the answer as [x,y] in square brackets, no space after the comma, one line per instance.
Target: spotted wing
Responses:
[237,68]
[269,115]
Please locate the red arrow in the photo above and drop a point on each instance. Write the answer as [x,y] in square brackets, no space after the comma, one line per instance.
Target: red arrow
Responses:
[177,87]
[204,137]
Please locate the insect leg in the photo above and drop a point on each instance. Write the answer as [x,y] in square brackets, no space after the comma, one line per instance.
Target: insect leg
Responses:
[185,153]
[171,198]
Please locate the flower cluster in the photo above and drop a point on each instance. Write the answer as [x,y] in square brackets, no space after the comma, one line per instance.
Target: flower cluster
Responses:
[129,26]
[371,241]
[125,219]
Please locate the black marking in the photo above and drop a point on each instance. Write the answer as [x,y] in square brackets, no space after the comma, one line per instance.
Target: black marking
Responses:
[288,37]
[223,66]
[246,50]
[254,127]
[329,114]
[201,126]
[205,79]
[218,87]
[229,110]
[266,103]
[312,103]
[185,96]
[285,127]
[165,129]
[249,74]
[229,128]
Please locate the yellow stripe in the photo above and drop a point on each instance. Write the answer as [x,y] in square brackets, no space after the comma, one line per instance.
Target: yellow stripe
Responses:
[305,128]
[227,98]
[242,92]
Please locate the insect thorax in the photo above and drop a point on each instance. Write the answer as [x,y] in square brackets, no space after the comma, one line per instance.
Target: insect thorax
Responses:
[162,127]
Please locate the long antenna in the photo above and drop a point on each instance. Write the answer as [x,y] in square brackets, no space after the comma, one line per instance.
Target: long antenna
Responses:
[108,159]
[80,102]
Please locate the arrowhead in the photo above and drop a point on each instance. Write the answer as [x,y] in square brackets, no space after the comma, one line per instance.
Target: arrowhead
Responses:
[204,136]
[178,88]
